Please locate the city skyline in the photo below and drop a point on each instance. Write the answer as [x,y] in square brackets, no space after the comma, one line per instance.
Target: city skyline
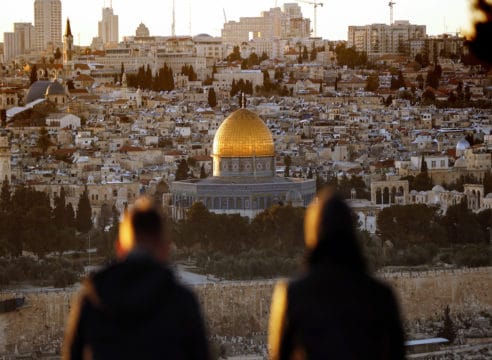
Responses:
[330,24]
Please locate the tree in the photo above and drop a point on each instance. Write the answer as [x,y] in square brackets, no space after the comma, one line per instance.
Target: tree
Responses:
[428,97]
[203,173]
[182,170]
[398,82]
[214,71]
[448,330]
[33,77]
[253,60]
[5,196]
[58,54]
[305,54]
[212,98]
[83,219]
[235,55]
[122,70]
[59,211]
[287,163]
[314,53]
[420,80]
[388,101]
[423,165]
[263,56]
[43,141]
[372,83]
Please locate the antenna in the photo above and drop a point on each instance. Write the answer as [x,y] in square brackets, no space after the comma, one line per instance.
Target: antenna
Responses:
[225,16]
[173,26]
[189,9]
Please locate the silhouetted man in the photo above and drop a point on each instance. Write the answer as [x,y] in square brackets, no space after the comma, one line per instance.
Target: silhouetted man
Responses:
[136,309]
[335,310]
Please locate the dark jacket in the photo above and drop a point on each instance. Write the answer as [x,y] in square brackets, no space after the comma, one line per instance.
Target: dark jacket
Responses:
[332,313]
[135,310]
[336,310]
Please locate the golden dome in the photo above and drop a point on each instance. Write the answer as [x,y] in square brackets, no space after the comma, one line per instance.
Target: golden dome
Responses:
[243,134]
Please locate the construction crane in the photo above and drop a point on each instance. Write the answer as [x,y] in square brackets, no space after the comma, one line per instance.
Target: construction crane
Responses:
[315,5]
[173,25]
[391,4]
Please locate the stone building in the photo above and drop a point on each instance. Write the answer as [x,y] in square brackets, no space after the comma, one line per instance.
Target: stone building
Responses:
[244,180]
[389,192]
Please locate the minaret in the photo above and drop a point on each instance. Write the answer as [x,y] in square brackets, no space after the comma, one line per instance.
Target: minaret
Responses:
[124,86]
[67,44]
[5,170]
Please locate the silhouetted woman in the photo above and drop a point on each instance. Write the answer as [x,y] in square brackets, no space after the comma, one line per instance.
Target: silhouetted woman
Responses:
[335,310]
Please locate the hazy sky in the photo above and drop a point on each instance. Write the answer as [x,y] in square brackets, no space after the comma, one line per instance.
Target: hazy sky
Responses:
[208,17]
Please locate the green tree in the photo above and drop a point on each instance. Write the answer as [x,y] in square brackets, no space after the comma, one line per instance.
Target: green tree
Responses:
[33,77]
[253,60]
[203,173]
[43,141]
[398,82]
[287,163]
[372,83]
[182,171]
[263,56]
[235,55]
[305,54]
[212,98]
[406,225]
[58,54]
[314,53]
[84,213]
[59,211]
[462,225]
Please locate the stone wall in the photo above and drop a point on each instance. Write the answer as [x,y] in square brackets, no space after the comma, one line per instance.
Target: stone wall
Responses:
[242,308]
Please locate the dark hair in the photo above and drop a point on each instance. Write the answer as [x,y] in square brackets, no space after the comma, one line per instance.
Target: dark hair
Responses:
[146,224]
[336,238]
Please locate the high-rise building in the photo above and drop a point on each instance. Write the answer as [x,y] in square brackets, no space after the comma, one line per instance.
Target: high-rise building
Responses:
[47,24]
[18,42]
[24,36]
[276,23]
[108,27]
[9,47]
[378,39]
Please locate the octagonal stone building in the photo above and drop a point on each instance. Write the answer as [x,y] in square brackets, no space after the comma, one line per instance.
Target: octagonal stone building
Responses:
[244,180]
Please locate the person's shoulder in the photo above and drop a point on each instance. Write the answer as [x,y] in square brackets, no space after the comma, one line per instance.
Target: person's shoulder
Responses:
[186,295]
[379,288]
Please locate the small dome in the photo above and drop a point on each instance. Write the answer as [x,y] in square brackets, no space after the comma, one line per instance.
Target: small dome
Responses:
[37,90]
[488,196]
[243,134]
[463,145]
[55,88]
[438,188]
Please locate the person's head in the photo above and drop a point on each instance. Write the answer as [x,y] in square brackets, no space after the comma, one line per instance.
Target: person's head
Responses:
[143,228]
[330,233]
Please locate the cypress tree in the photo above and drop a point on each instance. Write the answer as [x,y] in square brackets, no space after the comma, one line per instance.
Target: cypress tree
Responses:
[84,213]
[212,98]
[59,211]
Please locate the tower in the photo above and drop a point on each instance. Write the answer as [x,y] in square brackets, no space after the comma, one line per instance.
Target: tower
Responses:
[5,170]
[47,24]
[67,44]
[108,27]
